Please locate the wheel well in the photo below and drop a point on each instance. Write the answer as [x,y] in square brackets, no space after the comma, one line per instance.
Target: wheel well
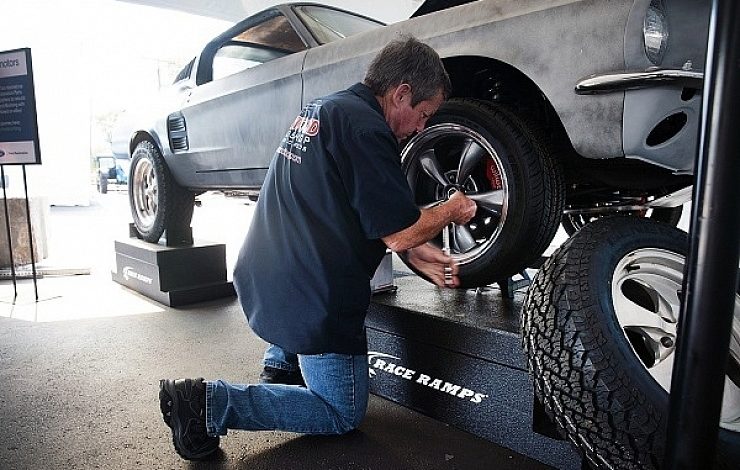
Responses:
[137,138]
[495,81]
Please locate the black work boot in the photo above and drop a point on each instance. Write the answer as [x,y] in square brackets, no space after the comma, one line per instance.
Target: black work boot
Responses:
[183,406]
[272,375]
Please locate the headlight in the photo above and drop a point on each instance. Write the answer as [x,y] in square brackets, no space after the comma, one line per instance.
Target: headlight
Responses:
[655,32]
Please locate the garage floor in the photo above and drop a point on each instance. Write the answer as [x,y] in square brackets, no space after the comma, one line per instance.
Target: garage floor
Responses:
[80,369]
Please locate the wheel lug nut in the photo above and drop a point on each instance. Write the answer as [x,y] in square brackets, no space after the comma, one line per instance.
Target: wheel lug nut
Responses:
[666,342]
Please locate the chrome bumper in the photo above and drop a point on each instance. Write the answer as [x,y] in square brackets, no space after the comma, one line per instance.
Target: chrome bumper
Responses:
[613,82]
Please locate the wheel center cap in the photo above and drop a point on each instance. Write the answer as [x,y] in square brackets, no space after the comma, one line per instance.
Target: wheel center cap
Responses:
[452,189]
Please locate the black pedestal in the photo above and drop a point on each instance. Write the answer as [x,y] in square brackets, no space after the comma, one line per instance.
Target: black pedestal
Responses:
[176,275]
[456,356]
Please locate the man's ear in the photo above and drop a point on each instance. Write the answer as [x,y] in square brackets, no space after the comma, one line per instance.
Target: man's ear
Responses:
[402,94]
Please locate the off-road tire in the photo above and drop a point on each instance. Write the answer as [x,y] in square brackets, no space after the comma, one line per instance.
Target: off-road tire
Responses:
[161,204]
[586,374]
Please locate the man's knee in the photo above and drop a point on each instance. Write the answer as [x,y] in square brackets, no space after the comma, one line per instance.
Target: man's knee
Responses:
[349,421]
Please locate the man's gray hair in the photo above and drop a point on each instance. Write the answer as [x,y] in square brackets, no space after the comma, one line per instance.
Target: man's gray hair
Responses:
[408,60]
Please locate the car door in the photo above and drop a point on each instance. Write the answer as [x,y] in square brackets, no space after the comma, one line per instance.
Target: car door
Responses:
[348,43]
[248,90]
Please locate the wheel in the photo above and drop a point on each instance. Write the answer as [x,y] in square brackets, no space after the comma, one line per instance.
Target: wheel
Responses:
[157,201]
[669,215]
[599,329]
[102,184]
[503,164]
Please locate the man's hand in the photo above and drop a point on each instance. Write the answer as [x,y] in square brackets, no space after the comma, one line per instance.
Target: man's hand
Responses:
[458,209]
[431,261]
[464,208]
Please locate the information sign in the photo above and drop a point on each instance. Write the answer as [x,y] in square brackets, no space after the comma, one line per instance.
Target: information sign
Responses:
[19,137]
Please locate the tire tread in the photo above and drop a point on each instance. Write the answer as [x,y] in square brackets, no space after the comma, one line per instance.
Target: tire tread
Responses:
[576,372]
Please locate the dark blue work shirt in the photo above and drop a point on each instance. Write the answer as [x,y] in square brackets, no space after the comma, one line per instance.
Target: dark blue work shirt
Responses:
[334,188]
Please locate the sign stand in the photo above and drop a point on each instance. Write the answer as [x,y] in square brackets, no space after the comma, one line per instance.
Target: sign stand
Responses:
[30,237]
[7,231]
[19,138]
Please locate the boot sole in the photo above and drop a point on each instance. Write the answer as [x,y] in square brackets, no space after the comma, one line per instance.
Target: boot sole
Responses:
[165,408]
[168,387]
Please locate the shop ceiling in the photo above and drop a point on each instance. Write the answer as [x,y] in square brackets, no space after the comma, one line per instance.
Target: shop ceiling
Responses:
[230,10]
[235,10]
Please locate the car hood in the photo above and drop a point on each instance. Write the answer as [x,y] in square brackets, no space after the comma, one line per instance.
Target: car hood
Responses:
[430,6]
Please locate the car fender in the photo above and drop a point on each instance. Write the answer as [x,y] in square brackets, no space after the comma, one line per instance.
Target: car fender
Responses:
[534,37]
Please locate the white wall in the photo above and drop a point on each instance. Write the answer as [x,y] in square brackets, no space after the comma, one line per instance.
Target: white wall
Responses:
[91,57]
[58,71]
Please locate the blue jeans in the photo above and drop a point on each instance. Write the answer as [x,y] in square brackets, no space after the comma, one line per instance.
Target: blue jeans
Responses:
[277,358]
[334,400]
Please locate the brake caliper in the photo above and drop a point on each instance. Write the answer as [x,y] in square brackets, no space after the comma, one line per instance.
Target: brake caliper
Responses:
[493,174]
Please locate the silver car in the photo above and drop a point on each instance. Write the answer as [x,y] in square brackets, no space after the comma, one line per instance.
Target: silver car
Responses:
[562,110]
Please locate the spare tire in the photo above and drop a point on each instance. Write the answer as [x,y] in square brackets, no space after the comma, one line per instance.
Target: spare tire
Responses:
[599,331]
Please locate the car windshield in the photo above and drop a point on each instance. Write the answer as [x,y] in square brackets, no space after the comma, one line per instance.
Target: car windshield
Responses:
[327,24]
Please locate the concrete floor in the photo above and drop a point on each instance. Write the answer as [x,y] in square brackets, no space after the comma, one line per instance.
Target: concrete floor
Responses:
[80,368]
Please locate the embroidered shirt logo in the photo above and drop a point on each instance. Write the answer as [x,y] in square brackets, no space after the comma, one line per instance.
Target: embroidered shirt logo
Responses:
[298,138]
[306,126]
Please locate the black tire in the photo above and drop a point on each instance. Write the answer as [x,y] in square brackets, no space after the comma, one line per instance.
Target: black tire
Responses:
[595,369]
[669,215]
[102,184]
[511,165]
[157,202]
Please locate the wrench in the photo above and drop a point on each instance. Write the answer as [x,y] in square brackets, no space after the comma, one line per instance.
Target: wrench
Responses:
[446,250]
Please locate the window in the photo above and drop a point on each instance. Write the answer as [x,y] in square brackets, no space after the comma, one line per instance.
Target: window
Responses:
[268,40]
[235,57]
[185,72]
[328,25]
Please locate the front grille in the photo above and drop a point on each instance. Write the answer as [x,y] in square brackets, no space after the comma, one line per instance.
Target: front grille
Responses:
[177,132]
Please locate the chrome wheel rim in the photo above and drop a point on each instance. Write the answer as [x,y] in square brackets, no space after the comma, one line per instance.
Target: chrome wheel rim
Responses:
[145,193]
[449,157]
[646,290]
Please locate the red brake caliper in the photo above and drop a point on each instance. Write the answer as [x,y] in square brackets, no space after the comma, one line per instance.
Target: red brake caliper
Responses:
[493,174]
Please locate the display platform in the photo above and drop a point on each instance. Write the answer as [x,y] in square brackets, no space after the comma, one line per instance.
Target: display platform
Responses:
[455,355]
[173,275]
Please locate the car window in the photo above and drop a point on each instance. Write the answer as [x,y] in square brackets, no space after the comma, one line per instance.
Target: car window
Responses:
[327,24]
[185,72]
[106,163]
[237,56]
[124,163]
[262,43]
